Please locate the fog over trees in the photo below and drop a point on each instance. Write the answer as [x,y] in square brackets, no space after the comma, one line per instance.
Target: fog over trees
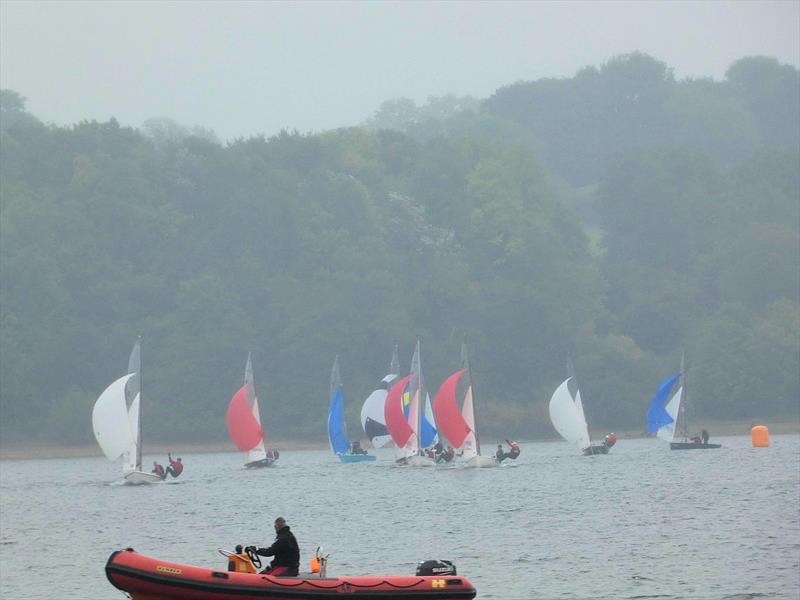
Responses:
[619,216]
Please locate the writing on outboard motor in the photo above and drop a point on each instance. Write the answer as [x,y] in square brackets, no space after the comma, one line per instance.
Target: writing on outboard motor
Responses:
[436,567]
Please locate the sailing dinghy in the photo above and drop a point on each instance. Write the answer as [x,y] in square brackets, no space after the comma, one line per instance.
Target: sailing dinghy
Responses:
[668,409]
[458,425]
[566,414]
[372,412]
[244,423]
[405,412]
[337,433]
[116,421]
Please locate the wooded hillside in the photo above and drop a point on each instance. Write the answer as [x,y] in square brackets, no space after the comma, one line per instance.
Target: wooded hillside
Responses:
[619,216]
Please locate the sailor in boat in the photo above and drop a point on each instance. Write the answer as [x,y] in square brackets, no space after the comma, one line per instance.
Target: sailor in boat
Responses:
[610,440]
[158,469]
[284,550]
[443,454]
[175,467]
[355,448]
[705,436]
[273,454]
[513,451]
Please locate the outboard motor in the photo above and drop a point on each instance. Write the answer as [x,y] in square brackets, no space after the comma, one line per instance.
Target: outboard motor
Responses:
[436,567]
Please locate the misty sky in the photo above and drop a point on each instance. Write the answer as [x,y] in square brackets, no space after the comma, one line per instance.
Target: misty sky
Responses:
[242,68]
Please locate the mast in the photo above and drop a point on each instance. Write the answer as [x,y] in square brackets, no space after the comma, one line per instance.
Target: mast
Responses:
[135,366]
[417,369]
[250,378]
[683,417]
[465,366]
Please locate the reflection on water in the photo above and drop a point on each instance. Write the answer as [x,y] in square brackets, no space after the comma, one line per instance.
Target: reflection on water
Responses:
[643,522]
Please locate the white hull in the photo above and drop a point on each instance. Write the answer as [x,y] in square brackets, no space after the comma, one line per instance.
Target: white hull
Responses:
[481,462]
[420,461]
[140,478]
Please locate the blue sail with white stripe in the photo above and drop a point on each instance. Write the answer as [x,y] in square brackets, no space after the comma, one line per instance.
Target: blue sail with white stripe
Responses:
[429,434]
[657,415]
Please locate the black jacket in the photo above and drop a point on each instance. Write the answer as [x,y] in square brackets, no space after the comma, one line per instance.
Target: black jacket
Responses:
[285,551]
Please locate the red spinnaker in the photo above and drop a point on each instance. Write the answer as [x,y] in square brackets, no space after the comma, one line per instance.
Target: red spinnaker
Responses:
[396,421]
[243,428]
[445,410]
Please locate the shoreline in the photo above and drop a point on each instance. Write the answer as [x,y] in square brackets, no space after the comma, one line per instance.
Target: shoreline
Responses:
[32,450]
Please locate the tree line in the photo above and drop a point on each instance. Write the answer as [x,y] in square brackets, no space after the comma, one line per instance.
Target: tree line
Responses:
[619,217]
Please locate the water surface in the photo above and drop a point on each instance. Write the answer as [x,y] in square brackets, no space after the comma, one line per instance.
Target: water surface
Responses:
[642,522]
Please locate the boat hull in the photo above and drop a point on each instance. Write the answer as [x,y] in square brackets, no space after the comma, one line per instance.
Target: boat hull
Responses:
[418,461]
[260,464]
[140,478]
[693,446]
[147,578]
[355,458]
[481,462]
[595,450]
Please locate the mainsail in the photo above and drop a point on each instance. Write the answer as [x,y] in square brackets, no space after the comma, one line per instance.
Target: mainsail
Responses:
[373,419]
[566,414]
[133,393]
[422,421]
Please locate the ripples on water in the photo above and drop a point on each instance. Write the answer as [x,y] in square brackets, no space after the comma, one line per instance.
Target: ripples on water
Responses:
[641,523]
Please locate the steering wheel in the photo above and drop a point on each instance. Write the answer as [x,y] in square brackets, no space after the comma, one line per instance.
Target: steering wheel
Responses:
[254,558]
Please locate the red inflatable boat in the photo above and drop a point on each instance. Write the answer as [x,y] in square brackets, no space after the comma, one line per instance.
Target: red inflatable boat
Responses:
[147,578]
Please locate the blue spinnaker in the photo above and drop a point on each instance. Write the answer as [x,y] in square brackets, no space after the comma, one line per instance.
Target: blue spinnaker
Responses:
[336,432]
[657,416]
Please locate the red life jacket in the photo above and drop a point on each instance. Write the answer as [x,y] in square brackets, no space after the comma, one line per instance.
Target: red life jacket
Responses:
[177,467]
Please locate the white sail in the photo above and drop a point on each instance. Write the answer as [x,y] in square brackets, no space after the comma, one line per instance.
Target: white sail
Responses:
[470,447]
[667,432]
[131,455]
[110,422]
[259,452]
[567,416]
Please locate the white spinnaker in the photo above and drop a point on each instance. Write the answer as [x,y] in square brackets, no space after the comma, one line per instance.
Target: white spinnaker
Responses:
[110,422]
[259,452]
[373,409]
[567,416]
[470,446]
[667,432]
[131,455]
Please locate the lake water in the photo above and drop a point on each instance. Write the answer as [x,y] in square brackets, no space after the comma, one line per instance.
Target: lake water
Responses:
[642,522]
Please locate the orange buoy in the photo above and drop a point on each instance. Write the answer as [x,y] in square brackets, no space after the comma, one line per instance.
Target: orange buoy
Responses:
[760,435]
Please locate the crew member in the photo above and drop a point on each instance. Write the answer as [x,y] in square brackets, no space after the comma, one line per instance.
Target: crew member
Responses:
[513,453]
[159,470]
[500,455]
[284,550]
[705,436]
[175,467]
